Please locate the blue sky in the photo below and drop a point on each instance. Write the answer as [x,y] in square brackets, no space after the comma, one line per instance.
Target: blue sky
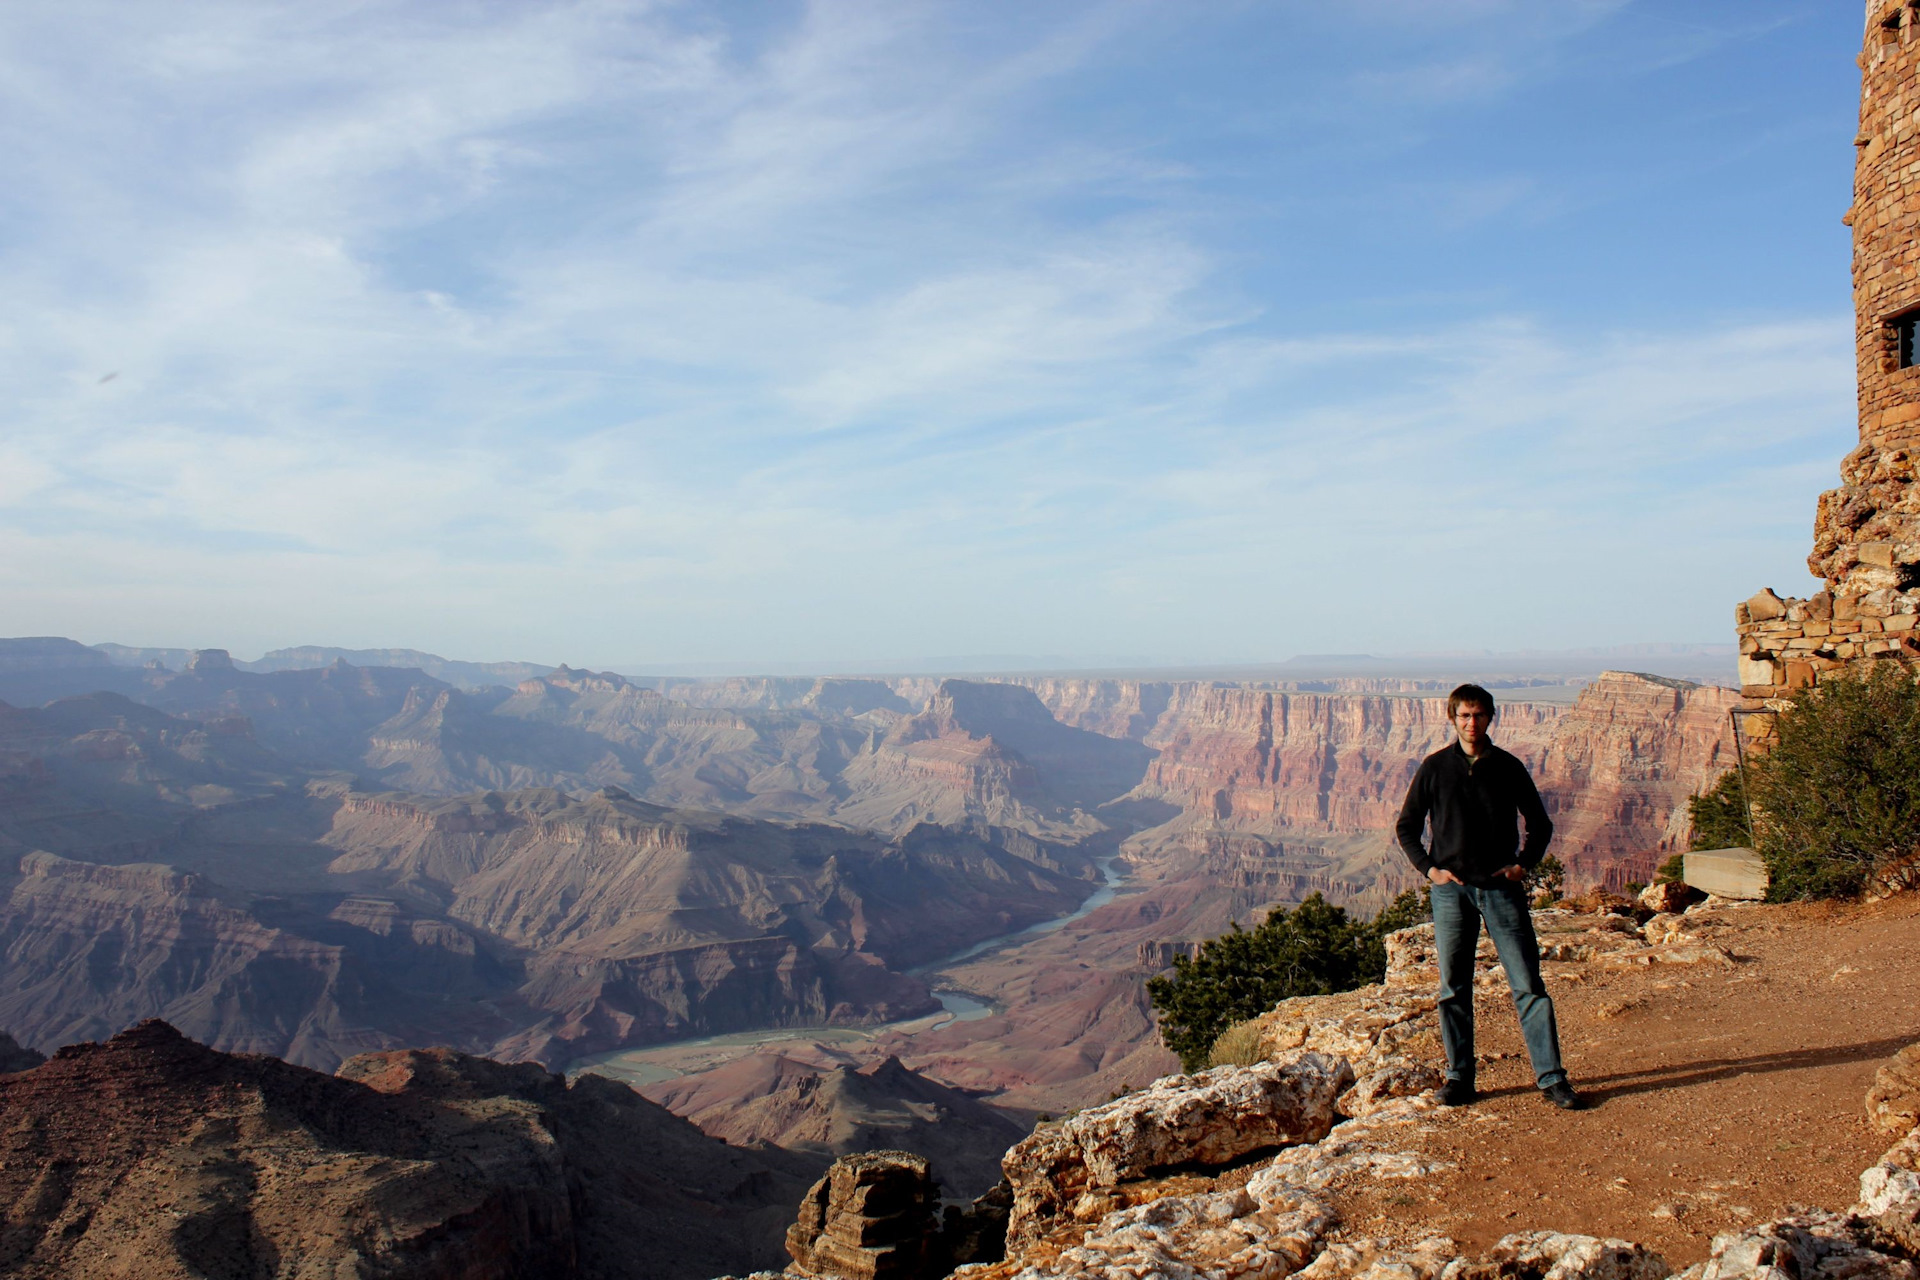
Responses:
[653,334]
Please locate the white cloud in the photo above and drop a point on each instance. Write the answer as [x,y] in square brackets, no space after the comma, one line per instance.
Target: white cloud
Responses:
[610,331]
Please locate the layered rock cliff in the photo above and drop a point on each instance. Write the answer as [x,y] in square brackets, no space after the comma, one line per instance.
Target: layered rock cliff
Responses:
[990,756]
[91,949]
[1270,763]
[325,923]
[1299,791]
[1619,768]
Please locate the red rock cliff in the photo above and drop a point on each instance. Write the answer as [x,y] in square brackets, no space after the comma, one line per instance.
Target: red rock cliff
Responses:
[1296,790]
[1620,767]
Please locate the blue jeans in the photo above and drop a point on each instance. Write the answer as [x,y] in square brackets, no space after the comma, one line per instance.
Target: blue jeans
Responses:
[1458,910]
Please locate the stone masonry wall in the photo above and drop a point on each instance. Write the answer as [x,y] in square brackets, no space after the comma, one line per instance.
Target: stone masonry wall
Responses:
[1866,542]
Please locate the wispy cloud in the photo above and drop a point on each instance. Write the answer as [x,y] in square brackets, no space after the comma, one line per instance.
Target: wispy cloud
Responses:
[628,331]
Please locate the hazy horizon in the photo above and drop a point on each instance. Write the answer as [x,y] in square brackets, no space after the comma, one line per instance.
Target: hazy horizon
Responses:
[1686,660]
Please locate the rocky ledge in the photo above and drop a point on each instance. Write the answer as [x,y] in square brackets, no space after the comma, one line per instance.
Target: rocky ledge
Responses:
[1241,1172]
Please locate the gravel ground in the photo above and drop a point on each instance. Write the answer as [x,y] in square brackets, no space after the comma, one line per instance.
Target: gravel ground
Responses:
[1720,1094]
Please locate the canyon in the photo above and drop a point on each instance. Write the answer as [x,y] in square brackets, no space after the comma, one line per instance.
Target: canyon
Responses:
[323,860]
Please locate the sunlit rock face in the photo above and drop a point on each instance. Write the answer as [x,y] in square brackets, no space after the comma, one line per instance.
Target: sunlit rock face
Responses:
[1619,767]
[1297,792]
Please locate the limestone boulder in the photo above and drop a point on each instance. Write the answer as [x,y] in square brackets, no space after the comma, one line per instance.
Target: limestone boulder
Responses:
[1348,1156]
[1207,1119]
[1669,896]
[1366,1026]
[1382,1260]
[1800,1246]
[1893,1103]
[1266,1229]
[871,1217]
[1392,1079]
[1552,1255]
[1889,1202]
[1665,929]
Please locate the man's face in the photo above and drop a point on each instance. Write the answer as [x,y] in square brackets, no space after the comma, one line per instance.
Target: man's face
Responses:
[1472,720]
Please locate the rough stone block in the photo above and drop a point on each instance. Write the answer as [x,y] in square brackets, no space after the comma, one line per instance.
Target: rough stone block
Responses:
[1551,1255]
[870,1217]
[1266,1229]
[1890,1198]
[1893,1103]
[1209,1118]
[1808,1244]
[1668,896]
[1394,1079]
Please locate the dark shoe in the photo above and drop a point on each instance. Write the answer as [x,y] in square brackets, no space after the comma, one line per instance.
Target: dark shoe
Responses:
[1458,1093]
[1561,1095]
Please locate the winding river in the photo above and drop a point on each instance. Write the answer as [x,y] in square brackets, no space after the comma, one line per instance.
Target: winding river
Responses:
[653,1063]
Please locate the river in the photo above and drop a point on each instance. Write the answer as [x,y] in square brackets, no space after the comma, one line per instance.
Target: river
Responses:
[653,1063]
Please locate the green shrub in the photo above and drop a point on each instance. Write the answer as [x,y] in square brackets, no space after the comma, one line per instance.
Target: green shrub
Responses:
[1838,796]
[1314,949]
[1548,881]
[1719,819]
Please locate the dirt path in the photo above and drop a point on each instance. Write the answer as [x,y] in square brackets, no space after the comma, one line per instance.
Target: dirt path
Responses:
[1722,1095]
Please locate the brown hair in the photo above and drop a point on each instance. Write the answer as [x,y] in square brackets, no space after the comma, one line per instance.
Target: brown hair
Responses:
[1470,693]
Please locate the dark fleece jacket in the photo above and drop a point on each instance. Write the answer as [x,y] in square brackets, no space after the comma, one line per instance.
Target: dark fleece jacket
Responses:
[1475,805]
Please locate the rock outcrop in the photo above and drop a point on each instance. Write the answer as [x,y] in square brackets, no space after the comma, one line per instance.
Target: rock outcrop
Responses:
[153,1155]
[1214,1117]
[1887,1215]
[1810,1243]
[873,1216]
[1540,1255]
[1893,1104]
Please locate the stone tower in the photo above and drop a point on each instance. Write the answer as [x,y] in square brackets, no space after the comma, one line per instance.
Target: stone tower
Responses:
[1866,533]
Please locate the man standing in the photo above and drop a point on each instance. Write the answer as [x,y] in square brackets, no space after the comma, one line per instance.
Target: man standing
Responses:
[1475,794]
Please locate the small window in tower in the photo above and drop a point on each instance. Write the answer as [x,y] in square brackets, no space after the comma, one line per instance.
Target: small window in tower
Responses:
[1906,329]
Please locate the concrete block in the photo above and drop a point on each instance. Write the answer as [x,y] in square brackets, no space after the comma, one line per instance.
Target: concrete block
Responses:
[1730,873]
